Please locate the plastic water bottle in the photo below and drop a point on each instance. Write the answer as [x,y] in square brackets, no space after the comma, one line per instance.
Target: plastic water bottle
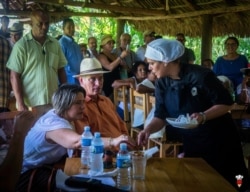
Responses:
[86,145]
[123,165]
[96,164]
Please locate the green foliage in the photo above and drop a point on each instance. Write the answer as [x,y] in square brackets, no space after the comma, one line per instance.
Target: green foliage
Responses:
[97,27]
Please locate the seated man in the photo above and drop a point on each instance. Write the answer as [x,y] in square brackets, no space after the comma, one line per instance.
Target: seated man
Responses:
[99,112]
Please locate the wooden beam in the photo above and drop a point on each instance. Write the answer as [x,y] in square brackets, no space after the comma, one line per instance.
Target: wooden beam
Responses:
[191,5]
[214,11]
[167,8]
[206,37]
[126,9]
[113,8]
[57,14]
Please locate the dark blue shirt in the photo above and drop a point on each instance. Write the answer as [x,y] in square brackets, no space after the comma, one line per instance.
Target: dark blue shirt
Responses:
[216,141]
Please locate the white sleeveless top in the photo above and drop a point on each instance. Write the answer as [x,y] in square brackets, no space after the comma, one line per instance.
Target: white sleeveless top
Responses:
[37,151]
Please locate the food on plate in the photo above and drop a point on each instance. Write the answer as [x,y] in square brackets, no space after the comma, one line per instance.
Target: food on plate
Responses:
[186,119]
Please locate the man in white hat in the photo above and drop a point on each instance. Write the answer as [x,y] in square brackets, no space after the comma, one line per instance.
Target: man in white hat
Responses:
[16,32]
[99,112]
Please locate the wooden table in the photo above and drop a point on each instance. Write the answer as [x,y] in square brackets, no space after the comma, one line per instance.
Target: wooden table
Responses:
[172,175]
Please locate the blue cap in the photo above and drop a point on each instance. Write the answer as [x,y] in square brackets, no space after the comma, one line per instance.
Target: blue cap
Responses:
[97,134]
[123,146]
[87,128]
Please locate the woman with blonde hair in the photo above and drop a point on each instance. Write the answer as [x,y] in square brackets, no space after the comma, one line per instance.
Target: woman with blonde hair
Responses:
[110,62]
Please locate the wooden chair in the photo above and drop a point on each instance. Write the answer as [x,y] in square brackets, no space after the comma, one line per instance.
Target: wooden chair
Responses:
[167,148]
[239,112]
[6,123]
[138,101]
[121,95]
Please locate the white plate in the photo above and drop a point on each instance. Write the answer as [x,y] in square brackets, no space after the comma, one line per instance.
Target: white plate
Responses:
[172,122]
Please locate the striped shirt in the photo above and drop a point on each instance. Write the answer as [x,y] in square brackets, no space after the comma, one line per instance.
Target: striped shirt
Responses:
[5,86]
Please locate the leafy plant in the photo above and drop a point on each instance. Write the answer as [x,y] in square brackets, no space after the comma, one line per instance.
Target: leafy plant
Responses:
[98,26]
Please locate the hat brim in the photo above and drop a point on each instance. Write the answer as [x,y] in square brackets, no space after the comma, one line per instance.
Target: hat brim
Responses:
[90,73]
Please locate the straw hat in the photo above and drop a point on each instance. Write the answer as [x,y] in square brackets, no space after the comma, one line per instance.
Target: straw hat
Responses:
[16,28]
[106,38]
[90,66]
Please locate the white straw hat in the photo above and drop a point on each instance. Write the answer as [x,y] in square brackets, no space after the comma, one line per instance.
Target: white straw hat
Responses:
[90,66]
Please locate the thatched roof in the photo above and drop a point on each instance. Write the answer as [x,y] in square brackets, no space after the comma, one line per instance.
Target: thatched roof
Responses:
[163,16]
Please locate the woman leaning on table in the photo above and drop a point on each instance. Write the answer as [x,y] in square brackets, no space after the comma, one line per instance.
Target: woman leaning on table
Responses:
[182,89]
[50,137]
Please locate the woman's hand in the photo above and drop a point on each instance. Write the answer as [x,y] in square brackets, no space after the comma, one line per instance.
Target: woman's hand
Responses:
[116,84]
[142,138]
[124,54]
[244,82]
[124,139]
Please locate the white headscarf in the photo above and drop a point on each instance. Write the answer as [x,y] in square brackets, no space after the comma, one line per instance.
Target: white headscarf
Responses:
[164,50]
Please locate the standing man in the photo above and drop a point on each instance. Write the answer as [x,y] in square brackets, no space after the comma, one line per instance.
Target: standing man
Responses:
[125,40]
[4,31]
[92,50]
[16,33]
[188,57]
[71,50]
[148,37]
[5,85]
[37,64]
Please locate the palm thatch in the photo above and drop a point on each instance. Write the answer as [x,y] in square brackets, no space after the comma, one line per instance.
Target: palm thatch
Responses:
[166,17]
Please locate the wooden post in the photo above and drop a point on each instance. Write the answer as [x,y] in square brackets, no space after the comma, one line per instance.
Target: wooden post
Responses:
[119,30]
[206,37]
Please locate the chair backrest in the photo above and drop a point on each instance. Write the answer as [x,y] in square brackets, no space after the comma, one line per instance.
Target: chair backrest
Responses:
[139,101]
[121,95]
[6,126]
[161,133]
[151,101]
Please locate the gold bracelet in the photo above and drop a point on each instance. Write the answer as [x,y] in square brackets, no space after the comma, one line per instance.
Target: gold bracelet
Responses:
[204,117]
[110,142]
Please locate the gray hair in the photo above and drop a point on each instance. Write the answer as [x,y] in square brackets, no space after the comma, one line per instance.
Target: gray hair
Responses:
[64,97]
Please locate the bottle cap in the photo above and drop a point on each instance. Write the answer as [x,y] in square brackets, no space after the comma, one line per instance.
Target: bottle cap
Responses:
[123,146]
[87,128]
[97,135]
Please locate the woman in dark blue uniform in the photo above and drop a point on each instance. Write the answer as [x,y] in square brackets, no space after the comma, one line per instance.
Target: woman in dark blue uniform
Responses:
[186,88]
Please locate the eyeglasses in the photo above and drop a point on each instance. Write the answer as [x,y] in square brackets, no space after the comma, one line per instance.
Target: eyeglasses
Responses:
[78,102]
[94,79]
[141,70]
[180,40]
[231,44]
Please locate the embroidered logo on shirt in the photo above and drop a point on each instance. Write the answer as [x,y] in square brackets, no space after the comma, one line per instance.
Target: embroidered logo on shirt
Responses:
[194,91]
[239,180]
